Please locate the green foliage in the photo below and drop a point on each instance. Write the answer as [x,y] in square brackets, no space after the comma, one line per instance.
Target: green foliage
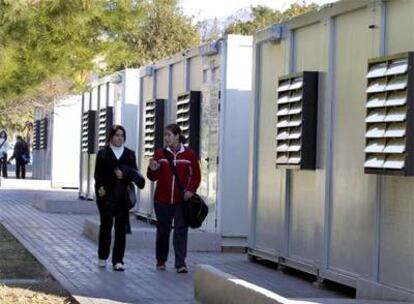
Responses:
[162,30]
[263,16]
[43,41]
[209,33]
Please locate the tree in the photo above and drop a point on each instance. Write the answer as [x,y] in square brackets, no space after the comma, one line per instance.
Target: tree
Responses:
[45,43]
[156,30]
[209,30]
[263,16]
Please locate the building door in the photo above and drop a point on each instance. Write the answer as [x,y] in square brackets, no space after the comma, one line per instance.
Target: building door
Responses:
[209,144]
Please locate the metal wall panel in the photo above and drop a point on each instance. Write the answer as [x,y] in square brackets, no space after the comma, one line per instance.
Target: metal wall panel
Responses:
[308,47]
[145,195]
[41,168]
[399,23]
[353,193]
[396,257]
[209,138]
[83,190]
[354,228]
[235,82]
[268,235]
[177,87]
[180,74]
[130,111]
[396,238]
[92,163]
[161,80]
[116,90]
[84,158]
[92,156]
[306,191]
[196,75]
[162,91]
[66,142]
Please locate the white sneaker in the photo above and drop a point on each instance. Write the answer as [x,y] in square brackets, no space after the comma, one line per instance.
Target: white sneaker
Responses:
[102,263]
[119,267]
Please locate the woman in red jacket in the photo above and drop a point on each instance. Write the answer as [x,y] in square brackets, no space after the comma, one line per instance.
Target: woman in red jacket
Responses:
[168,198]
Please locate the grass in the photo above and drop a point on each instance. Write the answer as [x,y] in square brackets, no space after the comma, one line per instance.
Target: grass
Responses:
[16,295]
[23,280]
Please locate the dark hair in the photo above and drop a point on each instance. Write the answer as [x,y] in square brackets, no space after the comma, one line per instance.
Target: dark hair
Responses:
[5,134]
[113,130]
[176,130]
[19,137]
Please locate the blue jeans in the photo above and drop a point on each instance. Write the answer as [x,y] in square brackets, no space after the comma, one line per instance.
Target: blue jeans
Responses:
[165,214]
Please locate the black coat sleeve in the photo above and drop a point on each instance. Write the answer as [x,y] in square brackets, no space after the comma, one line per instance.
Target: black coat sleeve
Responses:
[134,161]
[99,170]
[131,172]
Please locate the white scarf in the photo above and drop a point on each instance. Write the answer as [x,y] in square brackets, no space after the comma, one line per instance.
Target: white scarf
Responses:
[117,150]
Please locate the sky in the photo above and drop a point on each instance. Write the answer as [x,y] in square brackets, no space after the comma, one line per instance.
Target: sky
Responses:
[207,9]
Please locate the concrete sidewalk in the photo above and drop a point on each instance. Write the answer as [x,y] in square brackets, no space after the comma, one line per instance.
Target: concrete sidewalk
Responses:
[56,240]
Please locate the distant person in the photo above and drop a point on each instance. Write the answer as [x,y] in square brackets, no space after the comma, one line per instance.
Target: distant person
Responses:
[171,193]
[20,154]
[115,163]
[4,147]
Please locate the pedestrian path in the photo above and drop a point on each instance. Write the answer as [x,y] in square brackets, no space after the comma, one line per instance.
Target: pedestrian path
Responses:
[56,240]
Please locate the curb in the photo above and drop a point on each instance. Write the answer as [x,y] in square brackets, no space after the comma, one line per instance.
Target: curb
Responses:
[215,286]
[212,285]
[66,284]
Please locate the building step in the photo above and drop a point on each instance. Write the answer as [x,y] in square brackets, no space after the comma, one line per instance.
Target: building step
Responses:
[70,206]
[143,236]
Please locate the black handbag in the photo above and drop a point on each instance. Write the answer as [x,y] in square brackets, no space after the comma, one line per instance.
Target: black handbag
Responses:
[195,209]
[131,196]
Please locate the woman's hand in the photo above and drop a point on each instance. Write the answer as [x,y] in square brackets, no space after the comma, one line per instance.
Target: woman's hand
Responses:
[188,195]
[101,191]
[154,165]
[119,173]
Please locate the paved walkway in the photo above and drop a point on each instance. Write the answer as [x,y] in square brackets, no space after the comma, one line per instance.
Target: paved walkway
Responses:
[56,240]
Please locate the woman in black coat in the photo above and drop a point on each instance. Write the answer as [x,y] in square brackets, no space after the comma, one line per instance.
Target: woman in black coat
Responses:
[112,198]
[20,151]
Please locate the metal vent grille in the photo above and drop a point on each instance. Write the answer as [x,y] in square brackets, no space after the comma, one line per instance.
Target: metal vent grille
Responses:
[296,120]
[43,132]
[154,126]
[88,132]
[104,125]
[188,118]
[387,115]
[85,131]
[36,135]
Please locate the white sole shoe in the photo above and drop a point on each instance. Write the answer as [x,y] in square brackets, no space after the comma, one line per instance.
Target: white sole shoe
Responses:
[119,267]
[102,263]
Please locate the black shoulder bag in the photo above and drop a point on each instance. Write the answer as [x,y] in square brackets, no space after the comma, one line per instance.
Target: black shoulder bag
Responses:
[195,209]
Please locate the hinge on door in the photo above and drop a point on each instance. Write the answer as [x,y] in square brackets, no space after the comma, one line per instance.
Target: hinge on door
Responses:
[215,223]
[219,107]
[217,160]
[219,94]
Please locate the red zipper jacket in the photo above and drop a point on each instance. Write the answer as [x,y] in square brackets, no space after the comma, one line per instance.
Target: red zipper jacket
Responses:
[188,170]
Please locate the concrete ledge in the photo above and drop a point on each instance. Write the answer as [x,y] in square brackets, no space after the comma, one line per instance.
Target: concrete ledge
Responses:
[66,206]
[215,286]
[143,236]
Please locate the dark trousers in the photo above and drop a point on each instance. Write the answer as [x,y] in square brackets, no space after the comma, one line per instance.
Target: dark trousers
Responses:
[20,168]
[165,214]
[105,231]
[3,162]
